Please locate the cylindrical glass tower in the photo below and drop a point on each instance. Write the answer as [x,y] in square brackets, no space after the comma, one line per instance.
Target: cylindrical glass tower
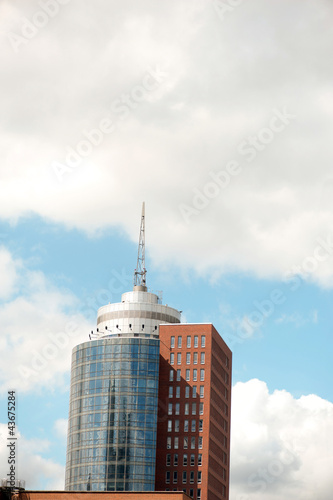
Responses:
[111,444]
[113,415]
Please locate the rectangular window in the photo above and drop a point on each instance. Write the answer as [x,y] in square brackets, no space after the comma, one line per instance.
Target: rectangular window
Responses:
[193,425]
[199,476]
[172,342]
[192,443]
[175,459]
[195,340]
[168,459]
[176,446]
[199,494]
[194,408]
[170,409]
[200,425]
[195,358]
[176,425]
[168,443]
[187,409]
[199,459]
[185,425]
[169,425]
[177,409]
[179,342]
[192,460]
[178,391]
[179,358]
[172,358]
[202,374]
[185,442]
[201,408]
[201,391]
[202,358]
[178,375]
[195,375]
[167,477]
[171,376]
[184,477]
[188,341]
[170,391]
[187,375]
[188,358]
[200,442]
[194,391]
[192,477]
[187,392]
[185,459]
[175,476]
[191,492]
[203,340]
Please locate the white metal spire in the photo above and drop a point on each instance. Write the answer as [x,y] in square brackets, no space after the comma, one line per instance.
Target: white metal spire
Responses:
[140,271]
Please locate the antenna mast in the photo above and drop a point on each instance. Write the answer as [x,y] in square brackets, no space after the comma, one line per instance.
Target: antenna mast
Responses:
[140,271]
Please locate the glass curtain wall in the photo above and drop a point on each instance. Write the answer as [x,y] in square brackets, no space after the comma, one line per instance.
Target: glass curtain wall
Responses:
[113,415]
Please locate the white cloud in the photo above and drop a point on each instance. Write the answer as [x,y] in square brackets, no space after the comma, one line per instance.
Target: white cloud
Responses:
[236,328]
[31,466]
[314,315]
[39,330]
[281,446]
[224,79]
[299,319]
[60,427]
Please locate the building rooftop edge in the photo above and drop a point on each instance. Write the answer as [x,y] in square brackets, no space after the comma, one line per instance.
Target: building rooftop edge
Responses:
[109,492]
[184,324]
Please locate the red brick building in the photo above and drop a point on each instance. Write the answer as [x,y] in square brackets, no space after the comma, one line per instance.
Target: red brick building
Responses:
[193,432]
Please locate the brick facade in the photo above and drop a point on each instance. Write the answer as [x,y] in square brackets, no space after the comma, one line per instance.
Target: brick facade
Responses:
[193,435]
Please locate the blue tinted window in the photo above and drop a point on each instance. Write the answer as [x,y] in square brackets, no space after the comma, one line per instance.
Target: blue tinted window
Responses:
[113,429]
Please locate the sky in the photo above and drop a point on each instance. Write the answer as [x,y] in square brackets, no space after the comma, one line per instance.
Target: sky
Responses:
[218,115]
